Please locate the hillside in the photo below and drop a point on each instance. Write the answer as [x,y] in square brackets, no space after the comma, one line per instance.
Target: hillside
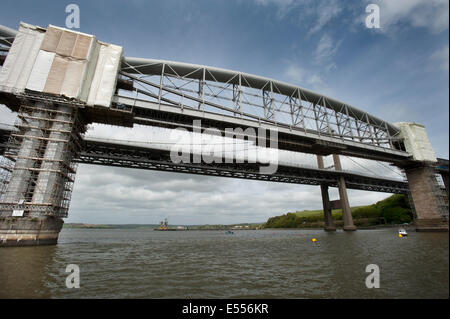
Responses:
[392,210]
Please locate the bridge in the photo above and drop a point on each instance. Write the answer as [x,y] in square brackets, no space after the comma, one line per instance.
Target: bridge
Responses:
[58,81]
[107,152]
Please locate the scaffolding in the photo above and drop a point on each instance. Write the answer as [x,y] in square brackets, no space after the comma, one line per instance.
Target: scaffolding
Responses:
[37,172]
[439,193]
[441,197]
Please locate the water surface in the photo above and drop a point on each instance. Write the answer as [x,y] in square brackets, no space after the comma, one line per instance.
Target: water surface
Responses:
[211,264]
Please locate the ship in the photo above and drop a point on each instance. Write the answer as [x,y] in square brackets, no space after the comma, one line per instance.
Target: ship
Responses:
[164,226]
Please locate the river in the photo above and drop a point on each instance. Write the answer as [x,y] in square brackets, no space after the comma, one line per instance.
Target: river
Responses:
[247,264]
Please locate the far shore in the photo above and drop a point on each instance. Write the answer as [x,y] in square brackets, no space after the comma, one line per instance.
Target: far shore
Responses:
[205,228]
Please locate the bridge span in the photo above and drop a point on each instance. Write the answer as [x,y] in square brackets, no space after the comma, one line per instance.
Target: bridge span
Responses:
[138,155]
[60,80]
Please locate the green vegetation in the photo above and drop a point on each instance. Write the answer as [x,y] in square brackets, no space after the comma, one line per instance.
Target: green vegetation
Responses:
[392,210]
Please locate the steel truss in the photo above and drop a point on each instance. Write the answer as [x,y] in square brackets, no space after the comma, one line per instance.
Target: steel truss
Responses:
[256,98]
[102,152]
[312,123]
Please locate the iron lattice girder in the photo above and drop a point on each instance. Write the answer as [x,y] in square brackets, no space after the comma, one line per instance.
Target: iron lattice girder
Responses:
[257,98]
[272,93]
[154,110]
[113,154]
[289,137]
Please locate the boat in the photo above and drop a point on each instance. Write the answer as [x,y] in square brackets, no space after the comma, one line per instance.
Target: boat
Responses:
[229,232]
[402,232]
[164,226]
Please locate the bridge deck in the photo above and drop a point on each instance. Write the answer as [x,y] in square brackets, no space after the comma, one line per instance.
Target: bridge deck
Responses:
[119,154]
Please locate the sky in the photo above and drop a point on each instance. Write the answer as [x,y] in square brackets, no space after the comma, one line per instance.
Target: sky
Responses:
[398,72]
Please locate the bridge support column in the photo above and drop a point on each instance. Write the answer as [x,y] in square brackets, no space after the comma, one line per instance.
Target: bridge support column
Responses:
[346,212]
[40,173]
[427,197]
[328,217]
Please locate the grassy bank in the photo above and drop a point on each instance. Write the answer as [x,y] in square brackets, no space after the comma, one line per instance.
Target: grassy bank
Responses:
[392,210]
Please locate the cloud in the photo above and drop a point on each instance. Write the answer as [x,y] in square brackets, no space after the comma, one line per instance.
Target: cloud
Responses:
[326,11]
[284,6]
[431,14]
[136,196]
[315,13]
[441,58]
[325,50]
[276,2]
[300,76]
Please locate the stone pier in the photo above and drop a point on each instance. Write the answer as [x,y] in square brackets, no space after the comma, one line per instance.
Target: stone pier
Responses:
[29,231]
[431,211]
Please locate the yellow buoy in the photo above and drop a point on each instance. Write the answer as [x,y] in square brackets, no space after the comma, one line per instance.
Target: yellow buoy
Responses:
[314,240]
[400,235]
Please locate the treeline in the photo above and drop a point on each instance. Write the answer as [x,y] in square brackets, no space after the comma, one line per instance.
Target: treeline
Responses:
[392,210]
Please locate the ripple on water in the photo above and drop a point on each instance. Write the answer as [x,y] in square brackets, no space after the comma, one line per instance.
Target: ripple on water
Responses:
[248,264]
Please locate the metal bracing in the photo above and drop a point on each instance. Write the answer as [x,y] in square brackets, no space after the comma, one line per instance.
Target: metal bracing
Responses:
[110,153]
[37,168]
[272,104]
[256,98]
[116,153]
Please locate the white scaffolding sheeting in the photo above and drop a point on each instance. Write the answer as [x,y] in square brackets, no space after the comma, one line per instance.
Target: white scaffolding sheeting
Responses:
[21,58]
[105,76]
[416,141]
[61,62]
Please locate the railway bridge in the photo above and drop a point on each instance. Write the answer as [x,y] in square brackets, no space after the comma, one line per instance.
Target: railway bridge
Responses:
[58,81]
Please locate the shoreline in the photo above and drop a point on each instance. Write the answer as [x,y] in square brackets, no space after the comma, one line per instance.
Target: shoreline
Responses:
[411,226]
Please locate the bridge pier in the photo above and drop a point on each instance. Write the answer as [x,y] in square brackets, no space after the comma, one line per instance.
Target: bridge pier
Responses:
[342,202]
[431,211]
[39,172]
[328,217]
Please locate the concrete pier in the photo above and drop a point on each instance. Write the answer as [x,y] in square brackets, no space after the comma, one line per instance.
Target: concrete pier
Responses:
[344,203]
[431,212]
[29,231]
[37,195]
[328,217]
[26,159]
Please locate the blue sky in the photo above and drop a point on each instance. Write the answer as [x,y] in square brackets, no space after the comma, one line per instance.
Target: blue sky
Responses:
[399,72]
